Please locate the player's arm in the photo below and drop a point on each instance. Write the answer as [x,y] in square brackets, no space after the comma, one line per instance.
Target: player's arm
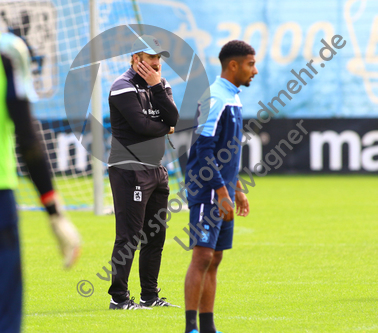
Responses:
[210,128]
[19,92]
[128,104]
[162,92]
[30,147]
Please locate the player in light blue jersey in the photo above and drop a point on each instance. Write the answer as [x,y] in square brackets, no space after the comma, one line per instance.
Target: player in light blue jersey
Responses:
[212,171]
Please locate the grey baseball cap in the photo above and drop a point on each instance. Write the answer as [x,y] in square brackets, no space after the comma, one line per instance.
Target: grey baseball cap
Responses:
[150,45]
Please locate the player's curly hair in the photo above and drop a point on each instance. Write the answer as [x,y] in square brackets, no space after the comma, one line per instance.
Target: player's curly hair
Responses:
[234,49]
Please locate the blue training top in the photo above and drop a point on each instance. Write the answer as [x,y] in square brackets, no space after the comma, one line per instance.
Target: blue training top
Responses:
[215,157]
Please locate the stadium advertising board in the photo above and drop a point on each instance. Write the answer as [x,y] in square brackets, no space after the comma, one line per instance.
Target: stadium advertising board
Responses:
[342,145]
[329,146]
[35,22]
[339,108]
[286,35]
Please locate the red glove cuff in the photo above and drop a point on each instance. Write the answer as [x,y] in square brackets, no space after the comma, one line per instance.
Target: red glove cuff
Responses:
[48,198]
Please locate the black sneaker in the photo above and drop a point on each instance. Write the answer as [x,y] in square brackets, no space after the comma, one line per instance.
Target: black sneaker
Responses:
[157,301]
[129,304]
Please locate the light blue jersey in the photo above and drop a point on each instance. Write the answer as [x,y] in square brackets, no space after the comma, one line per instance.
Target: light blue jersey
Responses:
[215,156]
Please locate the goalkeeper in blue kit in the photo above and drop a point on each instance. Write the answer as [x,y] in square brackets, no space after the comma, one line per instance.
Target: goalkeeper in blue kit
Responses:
[16,92]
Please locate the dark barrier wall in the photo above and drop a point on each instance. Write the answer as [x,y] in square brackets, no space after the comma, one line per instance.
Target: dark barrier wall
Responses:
[280,146]
[309,145]
[330,145]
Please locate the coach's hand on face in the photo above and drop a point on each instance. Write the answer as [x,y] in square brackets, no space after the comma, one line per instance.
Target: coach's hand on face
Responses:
[150,75]
[226,210]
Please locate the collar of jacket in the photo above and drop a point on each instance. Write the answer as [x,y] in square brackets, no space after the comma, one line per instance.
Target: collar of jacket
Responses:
[228,85]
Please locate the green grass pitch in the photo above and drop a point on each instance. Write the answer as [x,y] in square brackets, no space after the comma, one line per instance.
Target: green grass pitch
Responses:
[305,260]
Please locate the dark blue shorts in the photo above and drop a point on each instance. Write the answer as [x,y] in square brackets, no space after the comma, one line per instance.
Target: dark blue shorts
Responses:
[10,277]
[207,229]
